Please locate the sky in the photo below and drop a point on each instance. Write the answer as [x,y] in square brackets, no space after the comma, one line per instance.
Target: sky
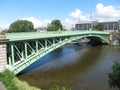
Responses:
[69,12]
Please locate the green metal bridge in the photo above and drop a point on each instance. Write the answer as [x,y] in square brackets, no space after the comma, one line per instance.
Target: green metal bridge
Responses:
[23,49]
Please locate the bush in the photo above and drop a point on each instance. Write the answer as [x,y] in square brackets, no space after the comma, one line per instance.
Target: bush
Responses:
[7,79]
[114,76]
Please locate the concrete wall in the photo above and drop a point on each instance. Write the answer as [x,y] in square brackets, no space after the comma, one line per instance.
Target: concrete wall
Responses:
[3,53]
[115,37]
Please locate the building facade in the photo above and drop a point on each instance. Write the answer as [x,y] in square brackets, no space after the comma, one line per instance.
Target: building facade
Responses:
[110,25]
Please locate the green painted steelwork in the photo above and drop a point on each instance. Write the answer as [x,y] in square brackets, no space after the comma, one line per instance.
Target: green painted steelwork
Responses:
[26,48]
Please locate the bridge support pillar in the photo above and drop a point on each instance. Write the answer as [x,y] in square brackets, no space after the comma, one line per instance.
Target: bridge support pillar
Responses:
[3,52]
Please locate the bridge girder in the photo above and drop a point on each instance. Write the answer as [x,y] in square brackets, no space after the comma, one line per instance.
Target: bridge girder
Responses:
[21,54]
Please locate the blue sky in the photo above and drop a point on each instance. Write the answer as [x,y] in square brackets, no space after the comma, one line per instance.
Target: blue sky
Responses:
[41,12]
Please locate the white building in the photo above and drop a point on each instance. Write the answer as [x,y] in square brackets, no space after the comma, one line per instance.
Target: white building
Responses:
[108,25]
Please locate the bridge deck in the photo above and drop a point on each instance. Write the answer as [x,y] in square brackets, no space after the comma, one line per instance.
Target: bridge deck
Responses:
[40,35]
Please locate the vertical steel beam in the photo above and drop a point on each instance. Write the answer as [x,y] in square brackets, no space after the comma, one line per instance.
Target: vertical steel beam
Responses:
[60,39]
[26,54]
[22,55]
[12,54]
[45,43]
[10,62]
[53,40]
[36,42]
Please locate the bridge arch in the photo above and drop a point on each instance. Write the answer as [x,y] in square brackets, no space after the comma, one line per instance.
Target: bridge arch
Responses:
[103,39]
[34,49]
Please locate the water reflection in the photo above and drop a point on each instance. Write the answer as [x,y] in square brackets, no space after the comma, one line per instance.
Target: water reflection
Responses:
[78,67]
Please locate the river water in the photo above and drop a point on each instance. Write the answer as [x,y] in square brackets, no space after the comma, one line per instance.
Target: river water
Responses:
[74,66]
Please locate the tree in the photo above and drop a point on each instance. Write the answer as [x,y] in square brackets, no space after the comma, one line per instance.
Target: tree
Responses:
[21,26]
[55,25]
[114,76]
[99,27]
[51,27]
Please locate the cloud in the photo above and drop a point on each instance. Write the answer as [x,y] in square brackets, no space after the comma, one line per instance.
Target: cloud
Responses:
[101,12]
[46,22]
[106,12]
[35,21]
[67,23]
[3,27]
[78,14]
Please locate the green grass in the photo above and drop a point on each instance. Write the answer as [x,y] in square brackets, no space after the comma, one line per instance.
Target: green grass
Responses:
[11,82]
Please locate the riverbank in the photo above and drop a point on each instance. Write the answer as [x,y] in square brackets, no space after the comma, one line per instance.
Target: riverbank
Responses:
[8,81]
[11,82]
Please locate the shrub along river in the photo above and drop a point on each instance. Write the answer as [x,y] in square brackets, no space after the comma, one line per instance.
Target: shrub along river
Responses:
[79,67]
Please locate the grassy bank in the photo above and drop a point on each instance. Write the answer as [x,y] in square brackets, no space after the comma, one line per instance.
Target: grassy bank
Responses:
[11,82]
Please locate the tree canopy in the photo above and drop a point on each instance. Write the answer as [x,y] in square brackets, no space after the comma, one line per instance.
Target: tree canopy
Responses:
[55,25]
[114,76]
[21,26]
[99,27]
